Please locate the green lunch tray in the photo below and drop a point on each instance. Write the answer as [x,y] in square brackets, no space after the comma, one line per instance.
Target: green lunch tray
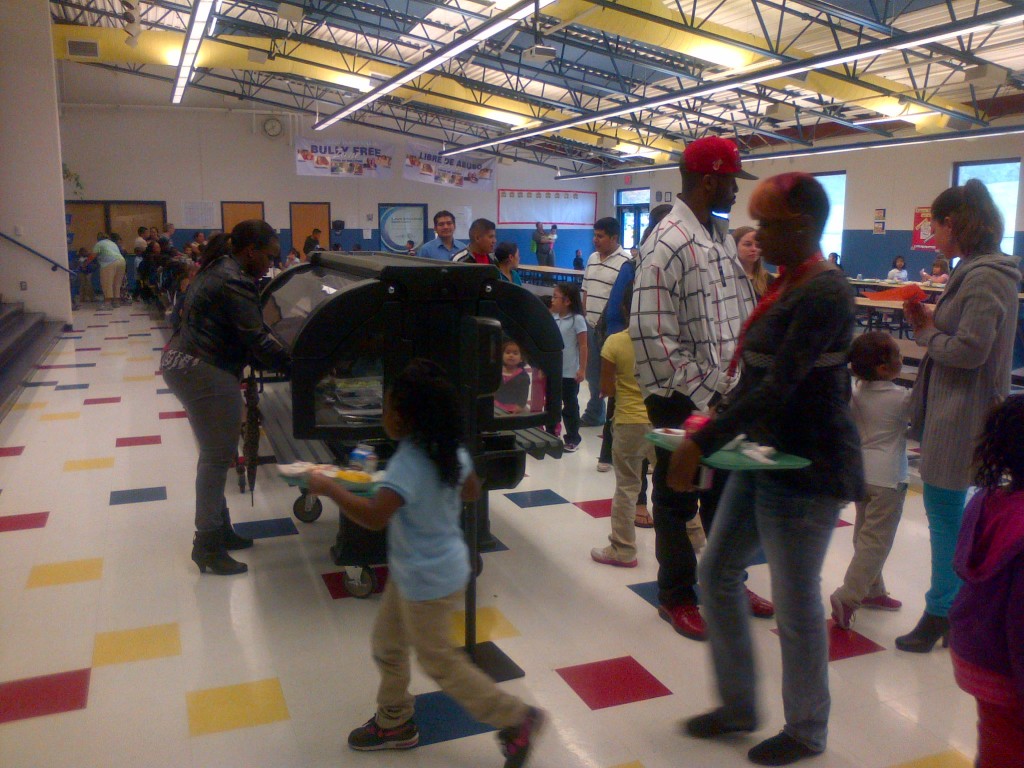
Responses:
[359,489]
[735,461]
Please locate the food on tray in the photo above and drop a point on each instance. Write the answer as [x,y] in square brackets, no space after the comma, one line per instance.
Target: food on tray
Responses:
[354,476]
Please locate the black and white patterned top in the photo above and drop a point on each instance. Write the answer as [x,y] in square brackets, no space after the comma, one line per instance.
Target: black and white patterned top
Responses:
[598,279]
[690,300]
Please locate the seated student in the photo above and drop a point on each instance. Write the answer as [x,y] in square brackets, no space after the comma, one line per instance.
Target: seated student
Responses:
[577,260]
[898,271]
[506,258]
[939,274]
[482,239]
[514,391]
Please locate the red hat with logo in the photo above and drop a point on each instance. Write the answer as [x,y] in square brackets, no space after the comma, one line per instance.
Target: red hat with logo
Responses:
[714,155]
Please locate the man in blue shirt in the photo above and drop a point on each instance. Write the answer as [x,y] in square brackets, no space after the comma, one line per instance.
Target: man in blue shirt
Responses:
[444,246]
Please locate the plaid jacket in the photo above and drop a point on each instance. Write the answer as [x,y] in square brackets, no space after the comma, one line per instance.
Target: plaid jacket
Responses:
[690,299]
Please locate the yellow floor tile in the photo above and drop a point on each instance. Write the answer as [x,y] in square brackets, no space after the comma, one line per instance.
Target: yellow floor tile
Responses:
[114,354]
[27,406]
[950,759]
[491,624]
[146,359]
[64,416]
[634,764]
[75,465]
[68,572]
[140,644]
[148,377]
[236,706]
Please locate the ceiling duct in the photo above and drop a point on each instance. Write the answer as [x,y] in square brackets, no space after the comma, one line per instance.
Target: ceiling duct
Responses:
[84,49]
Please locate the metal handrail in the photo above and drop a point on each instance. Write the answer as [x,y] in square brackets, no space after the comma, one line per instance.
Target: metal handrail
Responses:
[55,266]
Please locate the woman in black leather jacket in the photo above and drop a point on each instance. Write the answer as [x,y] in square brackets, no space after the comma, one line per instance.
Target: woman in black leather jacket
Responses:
[220,331]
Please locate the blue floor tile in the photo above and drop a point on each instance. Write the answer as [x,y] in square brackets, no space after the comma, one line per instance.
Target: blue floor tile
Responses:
[542,498]
[759,557]
[648,590]
[62,387]
[138,495]
[140,334]
[69,338]
[163,391]
[440,719]
[499,546]
[39,383]
[267,529]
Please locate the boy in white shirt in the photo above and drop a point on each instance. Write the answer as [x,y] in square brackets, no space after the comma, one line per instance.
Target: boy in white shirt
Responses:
[881,412]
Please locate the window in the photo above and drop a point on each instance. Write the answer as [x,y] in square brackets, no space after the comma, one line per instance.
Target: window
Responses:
[1002,177]
[632,207]
[835,188]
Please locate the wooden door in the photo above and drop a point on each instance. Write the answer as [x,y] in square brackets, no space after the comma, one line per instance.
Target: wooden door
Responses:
[87,219]
[232,213]
[126,218]
[305,217]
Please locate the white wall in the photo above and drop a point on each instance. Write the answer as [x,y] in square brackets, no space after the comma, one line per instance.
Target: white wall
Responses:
[897,178]
[151,151]
[32,196]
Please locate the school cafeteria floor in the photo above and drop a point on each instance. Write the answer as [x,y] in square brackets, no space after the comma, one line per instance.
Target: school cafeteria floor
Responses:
[114,651]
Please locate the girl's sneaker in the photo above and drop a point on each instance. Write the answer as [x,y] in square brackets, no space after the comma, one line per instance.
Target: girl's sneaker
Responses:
[570,447]
[517,740]
[370,737]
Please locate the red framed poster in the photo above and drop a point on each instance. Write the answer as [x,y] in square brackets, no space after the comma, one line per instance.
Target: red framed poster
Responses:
[923,239]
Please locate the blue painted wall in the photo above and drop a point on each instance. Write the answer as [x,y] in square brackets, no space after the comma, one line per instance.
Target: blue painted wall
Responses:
[871,255]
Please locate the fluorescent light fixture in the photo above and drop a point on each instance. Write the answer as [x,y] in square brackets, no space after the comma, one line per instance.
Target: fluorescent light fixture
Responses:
[907,118]
[791,69]
[193,38]
[485,31]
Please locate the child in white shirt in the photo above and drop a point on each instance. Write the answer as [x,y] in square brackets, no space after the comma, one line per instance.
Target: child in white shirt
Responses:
[881,412]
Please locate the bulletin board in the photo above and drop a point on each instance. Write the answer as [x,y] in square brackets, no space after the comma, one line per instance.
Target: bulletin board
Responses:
[548,206]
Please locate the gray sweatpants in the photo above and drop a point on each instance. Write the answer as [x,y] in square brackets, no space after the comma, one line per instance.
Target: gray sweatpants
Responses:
[213,402]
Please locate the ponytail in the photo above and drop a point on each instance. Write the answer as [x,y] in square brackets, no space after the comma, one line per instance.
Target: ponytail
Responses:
[977,226]
[216,246]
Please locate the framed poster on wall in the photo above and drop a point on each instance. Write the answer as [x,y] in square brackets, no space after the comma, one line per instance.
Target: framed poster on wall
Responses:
[401,222]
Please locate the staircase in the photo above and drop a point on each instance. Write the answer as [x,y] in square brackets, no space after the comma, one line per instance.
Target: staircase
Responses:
[25,339]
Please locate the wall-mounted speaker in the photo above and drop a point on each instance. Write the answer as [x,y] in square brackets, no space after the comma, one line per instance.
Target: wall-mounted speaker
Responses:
[337,225]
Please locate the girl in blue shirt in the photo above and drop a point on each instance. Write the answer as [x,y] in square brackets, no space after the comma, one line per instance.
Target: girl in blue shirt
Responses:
[567,307]
[419,502]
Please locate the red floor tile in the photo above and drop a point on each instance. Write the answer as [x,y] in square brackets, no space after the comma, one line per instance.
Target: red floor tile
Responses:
[840,523]
[173,415]
[336,585]
[12,451]
[46,695]
[131,442]
[597,508]
[846,643]
[613,682]
[23,522]
[101,400]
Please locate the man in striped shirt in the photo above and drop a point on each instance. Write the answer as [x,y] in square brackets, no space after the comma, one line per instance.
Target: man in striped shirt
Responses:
[598,278]
[689,305]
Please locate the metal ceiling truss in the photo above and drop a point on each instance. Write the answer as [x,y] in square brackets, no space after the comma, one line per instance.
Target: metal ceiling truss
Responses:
[614,54]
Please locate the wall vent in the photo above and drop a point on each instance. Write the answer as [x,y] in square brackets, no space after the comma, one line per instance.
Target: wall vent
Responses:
[84,49]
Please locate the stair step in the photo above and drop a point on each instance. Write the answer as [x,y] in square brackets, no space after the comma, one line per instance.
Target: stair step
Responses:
[8,314]
[23,347]
[18,333]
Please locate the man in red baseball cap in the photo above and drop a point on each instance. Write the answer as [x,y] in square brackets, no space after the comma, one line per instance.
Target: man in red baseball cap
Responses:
[690,299]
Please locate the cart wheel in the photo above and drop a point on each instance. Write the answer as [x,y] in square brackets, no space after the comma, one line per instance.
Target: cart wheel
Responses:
[306,510]
[362,587]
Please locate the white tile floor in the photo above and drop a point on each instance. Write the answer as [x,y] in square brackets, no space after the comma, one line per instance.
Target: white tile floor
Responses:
[279,621]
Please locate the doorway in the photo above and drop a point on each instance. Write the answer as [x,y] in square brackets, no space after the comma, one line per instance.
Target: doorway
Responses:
[305,217]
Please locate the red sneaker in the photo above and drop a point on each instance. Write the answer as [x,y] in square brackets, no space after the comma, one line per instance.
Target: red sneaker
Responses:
[685,619]
[881,603]
[607,557]
[759,607]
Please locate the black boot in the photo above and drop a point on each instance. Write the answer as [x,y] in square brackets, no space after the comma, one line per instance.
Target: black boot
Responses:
[923,637]
[232,541]
[208,552]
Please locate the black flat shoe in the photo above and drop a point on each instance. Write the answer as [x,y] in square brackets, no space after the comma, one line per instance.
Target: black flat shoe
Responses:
[780,750]
[712,724]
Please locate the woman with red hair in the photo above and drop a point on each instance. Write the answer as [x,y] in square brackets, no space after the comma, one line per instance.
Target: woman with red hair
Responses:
[794,396]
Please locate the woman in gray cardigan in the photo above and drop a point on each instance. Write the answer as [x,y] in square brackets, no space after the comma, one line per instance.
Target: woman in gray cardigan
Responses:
[965,372]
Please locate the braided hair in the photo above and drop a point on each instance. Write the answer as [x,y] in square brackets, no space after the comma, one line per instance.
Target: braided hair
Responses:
[428,405]
[1000,452]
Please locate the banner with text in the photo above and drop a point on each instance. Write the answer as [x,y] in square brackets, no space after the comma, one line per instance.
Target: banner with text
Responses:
[342,159]
[423,163]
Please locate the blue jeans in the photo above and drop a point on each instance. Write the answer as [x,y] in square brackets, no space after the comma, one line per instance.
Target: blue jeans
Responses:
[945,511]
[794,531]
[593,413]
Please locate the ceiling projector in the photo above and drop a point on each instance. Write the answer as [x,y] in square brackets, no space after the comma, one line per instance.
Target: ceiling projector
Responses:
[539,53]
